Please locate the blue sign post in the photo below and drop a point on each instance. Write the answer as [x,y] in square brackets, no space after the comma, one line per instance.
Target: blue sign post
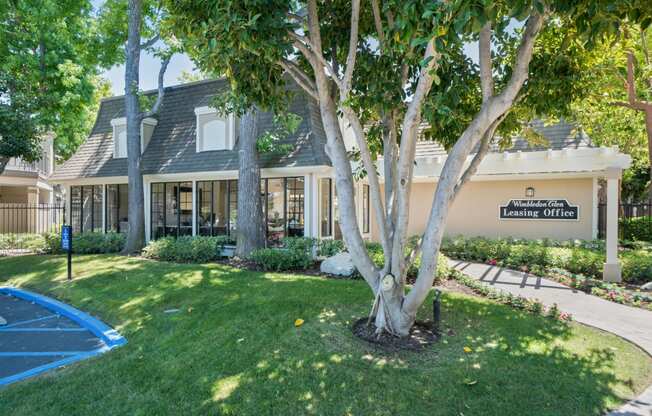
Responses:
[66,245]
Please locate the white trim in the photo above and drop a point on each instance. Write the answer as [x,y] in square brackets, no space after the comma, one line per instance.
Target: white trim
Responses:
[194,207]
[594,207]
[230,129]
[108,180]
[147,186]
[120,121]
[104,208]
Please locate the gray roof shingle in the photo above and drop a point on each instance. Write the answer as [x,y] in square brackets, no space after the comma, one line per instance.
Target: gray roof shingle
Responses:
[172,148]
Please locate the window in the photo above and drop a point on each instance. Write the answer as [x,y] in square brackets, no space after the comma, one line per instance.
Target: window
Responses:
[214,199]
[365,208]
[117,208]
[120,135]
[326,207]
[337,231]
[171,209]
[214,132]
[276,221]
[295,206]
[86,204]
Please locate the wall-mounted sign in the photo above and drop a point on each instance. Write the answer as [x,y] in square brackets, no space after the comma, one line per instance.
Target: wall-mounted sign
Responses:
[539,209]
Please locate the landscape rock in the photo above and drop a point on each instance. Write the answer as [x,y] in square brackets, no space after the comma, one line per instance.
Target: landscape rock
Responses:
[339,265]
[647,286]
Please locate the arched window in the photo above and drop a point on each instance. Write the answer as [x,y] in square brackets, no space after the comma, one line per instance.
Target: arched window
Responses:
[214,135]
[121,143]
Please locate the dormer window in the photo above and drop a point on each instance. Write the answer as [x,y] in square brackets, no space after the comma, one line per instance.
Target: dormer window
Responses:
[120,135]
[214,132]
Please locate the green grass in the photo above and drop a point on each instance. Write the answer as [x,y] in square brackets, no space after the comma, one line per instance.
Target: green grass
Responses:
[233,350]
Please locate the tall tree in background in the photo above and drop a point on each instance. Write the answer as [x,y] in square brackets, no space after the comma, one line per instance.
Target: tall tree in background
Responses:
[134,114]
[387,67]
[619,109]
[50,57]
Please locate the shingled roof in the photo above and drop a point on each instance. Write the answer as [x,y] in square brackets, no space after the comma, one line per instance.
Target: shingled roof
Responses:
[172,148]
[558,136]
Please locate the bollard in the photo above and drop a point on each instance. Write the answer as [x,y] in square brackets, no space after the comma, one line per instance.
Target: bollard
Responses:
[436,310]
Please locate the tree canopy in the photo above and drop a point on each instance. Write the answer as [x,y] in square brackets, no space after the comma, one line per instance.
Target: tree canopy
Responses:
[50,56]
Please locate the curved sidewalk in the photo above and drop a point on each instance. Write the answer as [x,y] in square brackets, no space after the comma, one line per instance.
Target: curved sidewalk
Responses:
[633,324]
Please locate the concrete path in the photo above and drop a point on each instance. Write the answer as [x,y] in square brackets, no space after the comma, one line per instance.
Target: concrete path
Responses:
[633,324]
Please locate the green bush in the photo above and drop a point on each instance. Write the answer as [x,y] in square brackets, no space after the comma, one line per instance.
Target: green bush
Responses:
[33,242]
[186,249]
[328,248]
[376,253]
[637,229]
[87,243]
[296,254]
[538,256]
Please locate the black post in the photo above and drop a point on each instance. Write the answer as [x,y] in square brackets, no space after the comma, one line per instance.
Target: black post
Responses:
[436,310]
[70,264]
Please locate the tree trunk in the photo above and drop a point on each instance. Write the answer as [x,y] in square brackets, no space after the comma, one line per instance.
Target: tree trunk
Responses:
[136,234]
[648,130]
[3,163]
[250,223]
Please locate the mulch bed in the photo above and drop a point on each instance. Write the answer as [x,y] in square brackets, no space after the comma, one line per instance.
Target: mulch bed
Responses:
[421,336]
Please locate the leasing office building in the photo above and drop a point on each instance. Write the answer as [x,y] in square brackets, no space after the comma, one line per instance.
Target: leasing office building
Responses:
[190,175]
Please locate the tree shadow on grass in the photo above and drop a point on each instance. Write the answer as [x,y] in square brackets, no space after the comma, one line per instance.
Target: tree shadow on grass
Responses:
[232,348]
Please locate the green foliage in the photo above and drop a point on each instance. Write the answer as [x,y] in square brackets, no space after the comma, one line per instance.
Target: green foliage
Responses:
[187,249]
[328,248]
[376,252]
[296,254]
[540,256]
[284,125]
[86,243]
[637,229]
[49,64]
[32,242]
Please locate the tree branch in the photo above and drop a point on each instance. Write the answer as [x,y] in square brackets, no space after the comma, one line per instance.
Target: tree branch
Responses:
[353,49]
[308,49]
[486,66]
[150,42]
[161,88]
[300,77]
[378,22]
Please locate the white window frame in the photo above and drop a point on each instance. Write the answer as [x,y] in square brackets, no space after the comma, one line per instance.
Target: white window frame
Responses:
[122,122]
[230,122]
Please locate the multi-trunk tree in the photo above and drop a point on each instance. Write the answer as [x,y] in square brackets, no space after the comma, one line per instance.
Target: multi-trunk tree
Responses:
[386,69]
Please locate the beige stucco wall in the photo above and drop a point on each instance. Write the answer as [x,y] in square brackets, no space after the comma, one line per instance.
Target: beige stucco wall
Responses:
[475,210]
[13,194]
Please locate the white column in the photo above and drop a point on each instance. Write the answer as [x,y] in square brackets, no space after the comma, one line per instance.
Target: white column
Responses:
[147,186]
[612,269]
[194,207]
[104,208]
[594,205]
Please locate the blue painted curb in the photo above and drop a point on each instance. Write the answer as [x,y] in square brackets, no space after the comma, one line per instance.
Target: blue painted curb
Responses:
[110,336]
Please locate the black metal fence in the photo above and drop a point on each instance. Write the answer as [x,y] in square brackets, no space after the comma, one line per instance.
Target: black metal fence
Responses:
[21,218]
[635,221]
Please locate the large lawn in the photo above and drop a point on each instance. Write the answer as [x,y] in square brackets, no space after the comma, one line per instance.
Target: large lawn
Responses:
[233,349]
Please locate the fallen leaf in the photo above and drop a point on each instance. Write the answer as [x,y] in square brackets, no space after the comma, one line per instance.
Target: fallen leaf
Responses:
[468,349]
[298,322]
[470,382]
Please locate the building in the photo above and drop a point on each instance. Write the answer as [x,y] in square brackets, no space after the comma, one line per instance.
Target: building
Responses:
[190,173]
[27,197]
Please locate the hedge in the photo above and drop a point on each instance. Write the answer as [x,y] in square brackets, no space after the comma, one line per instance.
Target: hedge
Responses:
[87,243]
[637,229]
[186,249]
[537,256]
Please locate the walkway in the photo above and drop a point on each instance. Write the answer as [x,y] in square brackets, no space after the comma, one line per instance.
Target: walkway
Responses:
[633,324]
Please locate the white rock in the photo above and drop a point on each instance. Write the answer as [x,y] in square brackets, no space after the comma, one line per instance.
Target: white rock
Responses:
[340,265]
[647,286]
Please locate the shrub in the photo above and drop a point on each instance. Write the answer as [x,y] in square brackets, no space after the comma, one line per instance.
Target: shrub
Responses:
[637,229]
[637,266]
[33,242]
[87,243]
[296,254]
[376,253]
[328,248]
[187,249]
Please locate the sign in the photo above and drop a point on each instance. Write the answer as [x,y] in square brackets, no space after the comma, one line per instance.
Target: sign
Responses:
[66,245]
[66,237]
[539,209]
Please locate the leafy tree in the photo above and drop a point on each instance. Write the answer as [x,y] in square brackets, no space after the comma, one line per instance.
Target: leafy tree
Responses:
[619,109]
[386,67]
[49,65]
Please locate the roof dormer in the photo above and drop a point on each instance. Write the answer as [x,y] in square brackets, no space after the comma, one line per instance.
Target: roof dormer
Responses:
[120,135]
[214,131]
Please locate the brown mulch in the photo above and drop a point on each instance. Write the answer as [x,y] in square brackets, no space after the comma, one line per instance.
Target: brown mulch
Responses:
[421,336]
[452,285]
